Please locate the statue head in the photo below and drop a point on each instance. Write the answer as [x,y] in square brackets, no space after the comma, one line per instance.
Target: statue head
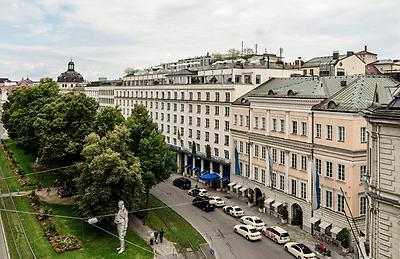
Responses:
[120,204]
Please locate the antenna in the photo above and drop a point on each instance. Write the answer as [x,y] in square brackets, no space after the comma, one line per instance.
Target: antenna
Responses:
[242,49]
[256,48]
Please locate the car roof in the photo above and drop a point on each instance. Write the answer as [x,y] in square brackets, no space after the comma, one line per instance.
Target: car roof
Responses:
[279,229]
[252,217]
[216,197]
[235,206]
[202,189]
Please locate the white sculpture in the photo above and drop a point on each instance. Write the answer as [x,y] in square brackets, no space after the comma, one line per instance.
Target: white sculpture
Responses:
[121,219]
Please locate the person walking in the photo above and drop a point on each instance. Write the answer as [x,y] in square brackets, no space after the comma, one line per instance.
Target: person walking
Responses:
[161,235]
[48,191]
[155,237]
[151,238]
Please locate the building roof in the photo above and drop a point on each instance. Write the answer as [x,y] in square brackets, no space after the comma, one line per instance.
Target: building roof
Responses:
[338,93]
[386,62]
[70,76]
[326,60]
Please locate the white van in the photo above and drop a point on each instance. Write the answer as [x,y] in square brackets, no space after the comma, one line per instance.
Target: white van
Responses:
[279,235]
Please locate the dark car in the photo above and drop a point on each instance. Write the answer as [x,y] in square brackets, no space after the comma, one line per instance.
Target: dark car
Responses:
[182,183]
[203,203]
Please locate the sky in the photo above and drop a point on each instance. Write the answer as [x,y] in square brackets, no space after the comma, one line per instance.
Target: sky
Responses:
[102,37]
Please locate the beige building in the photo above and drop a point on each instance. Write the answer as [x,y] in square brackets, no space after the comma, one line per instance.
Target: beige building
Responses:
[308,125]
[367,56]
[385,66]
[335,65]
[71,80]
[383,181]
[102,91]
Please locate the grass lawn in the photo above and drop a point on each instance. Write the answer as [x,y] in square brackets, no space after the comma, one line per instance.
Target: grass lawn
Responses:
[176,228]
[12,181]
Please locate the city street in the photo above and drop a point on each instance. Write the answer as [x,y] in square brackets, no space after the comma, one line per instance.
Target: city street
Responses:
[217,227]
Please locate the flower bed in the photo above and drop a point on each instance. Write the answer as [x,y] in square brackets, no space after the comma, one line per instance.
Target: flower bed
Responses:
[13,165]
[58,242]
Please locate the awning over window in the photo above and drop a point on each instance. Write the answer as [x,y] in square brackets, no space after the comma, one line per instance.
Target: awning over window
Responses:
[209,177]
[268,201]
[188,166]
[237,186]
[244,188]
[231,184]
[335,230]
[313,220]
[204,172]
[276,204]
[324,224]
[196,169]
[223,179]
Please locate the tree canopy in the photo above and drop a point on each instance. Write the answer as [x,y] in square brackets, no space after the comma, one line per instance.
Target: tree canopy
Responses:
[107,119]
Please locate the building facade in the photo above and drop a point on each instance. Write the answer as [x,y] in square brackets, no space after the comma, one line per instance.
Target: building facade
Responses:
[286,131]
[102,91]
[71,80]
[382,180]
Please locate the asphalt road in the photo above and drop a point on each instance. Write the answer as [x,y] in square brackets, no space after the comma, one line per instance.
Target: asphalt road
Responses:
[217,227]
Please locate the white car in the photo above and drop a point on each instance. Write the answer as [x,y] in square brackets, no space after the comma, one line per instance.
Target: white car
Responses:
[299,250]
[253,221]
[249,232]
[234,211]
[197,192]
[218,202]
[277,234]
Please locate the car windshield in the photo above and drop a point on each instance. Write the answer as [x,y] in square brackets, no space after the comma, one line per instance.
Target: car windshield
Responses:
[253,230]
[284,234]
[218,199]
[258,221]
[238,209]
[305,249]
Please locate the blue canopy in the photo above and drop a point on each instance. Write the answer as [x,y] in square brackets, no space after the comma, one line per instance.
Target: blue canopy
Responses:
[209,177]
[223,179]
[204,172]
[196,168]
[188,165]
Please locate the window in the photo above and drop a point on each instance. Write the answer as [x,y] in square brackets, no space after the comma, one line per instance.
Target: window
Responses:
[198,96]
[190,96]
[198,109]
[263,152]
[255,150]
[318,166]
[247,170]
[207,136]
[263,175]
[294,161]
[207,96]
[207,109]
[274,155]
[168,106]
[182,107]
[256,122]
[182,95]
[226,142]
[216,96]
[256,173]
[216,152]
[363,172]
[198,134]
[363,205]
[329,132]
[273,180]
[247,121]
[182,119]
[198,122]
[207,123]
[263,122]
[175,107]
[226,125]
[227,97]
[174,129]
[363,135]
[247,148]
[282,157]
[341,134]
[341,172]
[235,122]
[282,182]
[273,124]
[226,111]
[240,147]
[304,163]
[190,120]
[294,187]
[241,168]
[258,79]
[216,138]
[340,203]
[190,133]
[303,190]
[294,127]
[168,117]
[328,199]
[241,120]
[282,125]
[175,118]
[190,107]
[318,130]
[303,128]
[329,169]
[226,154]
[168,129]
[216,126]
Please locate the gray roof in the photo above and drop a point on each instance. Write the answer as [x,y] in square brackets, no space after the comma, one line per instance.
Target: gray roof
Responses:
[318,61]
[338,93]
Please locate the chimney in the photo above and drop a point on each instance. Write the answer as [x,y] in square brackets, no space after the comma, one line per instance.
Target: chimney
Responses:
[350,53]
[335,55]
[365,48]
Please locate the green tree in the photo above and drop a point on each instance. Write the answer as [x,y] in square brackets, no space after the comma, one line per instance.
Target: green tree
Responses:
[248,51]
[234,53]
[62,126]
[107,119]
[21,109]
[130,71]
[217,56]
[109,173]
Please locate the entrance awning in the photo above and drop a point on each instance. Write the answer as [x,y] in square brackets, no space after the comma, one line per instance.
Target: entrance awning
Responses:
[244,188]
[313,220]
[335,230]
[276,204]
[209,177]
[268,201]
[223,179]
[324,224]
[231,184]
[188,166]
[204,172]
[196,169]
[237,186]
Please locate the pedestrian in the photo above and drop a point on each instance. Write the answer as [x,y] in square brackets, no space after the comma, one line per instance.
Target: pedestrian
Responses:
[151,238]
[48,191]
[161,235]
[155,236]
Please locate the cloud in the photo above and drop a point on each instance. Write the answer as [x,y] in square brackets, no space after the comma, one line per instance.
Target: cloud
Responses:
[105,37]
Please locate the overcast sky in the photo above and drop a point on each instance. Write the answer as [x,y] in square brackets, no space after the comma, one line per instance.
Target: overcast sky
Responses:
[103,37]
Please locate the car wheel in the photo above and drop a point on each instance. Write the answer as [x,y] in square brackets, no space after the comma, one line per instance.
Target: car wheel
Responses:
[286,249]
[235,230]
[276,240]
[247,237]
[299,257]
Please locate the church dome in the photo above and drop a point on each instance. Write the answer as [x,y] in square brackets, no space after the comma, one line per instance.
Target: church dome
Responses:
[70,76]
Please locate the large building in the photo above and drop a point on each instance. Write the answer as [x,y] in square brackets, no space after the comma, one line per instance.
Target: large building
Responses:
[193,108]
[102,91]
[383,179]
[306,125]
[71,80]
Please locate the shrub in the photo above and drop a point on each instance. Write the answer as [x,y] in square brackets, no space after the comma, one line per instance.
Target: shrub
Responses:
[250,196]
[260,202]
[344,237]
[283,212]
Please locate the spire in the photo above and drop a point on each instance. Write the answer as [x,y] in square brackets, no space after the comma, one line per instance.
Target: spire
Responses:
[71,66]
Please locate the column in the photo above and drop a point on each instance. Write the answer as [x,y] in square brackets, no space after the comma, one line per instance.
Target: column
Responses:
[287,122]
[202,165]
[310,177]
[186,162]
[310,128]
[287,160]
[179,169]
[211,167]
[268,123]
[221,170]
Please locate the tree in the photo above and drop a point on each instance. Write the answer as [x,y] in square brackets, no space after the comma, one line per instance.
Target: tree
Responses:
[107,119]
[109,173]
[62,126]
[21,109]
[233,53]
[217,56]
[248,51]
[344,237]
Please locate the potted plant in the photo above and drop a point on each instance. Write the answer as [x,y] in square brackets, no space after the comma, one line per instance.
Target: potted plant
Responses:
[284,213]
[250,197]
[344,237]
[260,204]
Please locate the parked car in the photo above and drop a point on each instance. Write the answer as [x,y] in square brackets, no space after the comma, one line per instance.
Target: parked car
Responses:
[253,221]
[299,250]
[182,183]
[234,211]
[249,232]
[203,203]
[197,192]
[217,201]
[279,235]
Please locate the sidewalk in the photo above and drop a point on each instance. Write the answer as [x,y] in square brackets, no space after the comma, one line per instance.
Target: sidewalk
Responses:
[295,232]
